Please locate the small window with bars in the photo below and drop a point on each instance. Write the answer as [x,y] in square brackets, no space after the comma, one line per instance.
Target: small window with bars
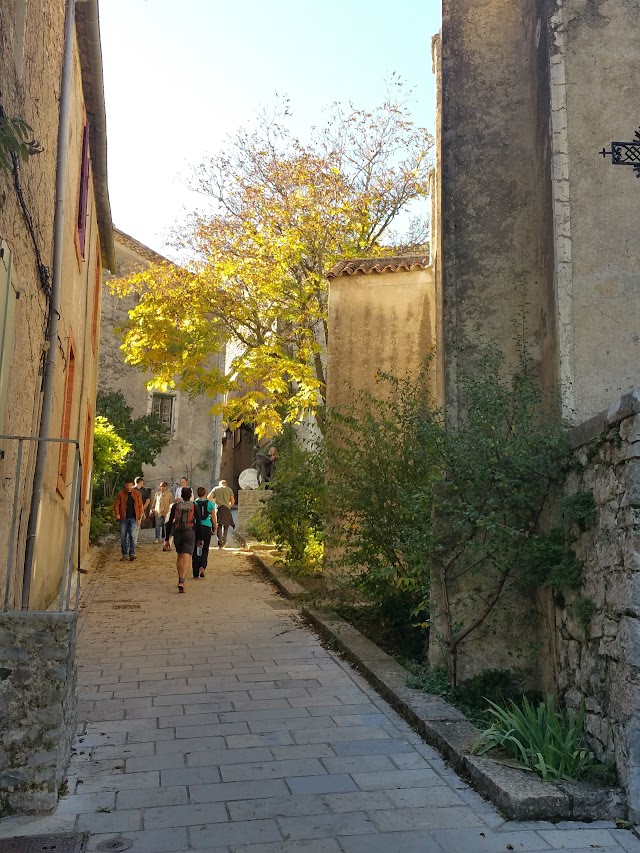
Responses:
[162,408]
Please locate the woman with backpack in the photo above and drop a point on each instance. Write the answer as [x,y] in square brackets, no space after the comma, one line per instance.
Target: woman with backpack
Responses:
[186,524]
[209,527]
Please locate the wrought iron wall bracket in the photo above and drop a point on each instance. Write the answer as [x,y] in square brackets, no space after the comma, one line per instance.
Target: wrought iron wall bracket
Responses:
[626,153]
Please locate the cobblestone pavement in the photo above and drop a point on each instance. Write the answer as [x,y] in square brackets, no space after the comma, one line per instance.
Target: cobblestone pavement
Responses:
[217,721]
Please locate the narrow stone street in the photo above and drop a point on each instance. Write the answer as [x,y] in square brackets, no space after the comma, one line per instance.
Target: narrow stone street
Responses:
[217,721]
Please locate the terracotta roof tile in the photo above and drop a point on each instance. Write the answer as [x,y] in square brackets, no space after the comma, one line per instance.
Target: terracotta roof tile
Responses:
[366,266]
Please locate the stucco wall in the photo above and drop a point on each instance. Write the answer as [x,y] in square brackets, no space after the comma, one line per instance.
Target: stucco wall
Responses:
[196,432]
[495,223]
[33,95]
[377,322]
[595,54]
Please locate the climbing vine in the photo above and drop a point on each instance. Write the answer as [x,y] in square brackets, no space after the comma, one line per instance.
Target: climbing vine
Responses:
[17,143]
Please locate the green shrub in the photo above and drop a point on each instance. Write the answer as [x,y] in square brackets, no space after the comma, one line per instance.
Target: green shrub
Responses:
[294,515]
[551,742]
[580,509]
[494,516]
[102,516]
[471,696]
[382,463]
[583,610]
[260,528]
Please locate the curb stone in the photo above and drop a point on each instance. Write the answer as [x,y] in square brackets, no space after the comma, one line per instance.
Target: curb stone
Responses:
[519,794]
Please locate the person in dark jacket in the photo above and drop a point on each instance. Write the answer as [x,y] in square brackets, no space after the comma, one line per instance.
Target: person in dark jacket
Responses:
[127,508]
[185,521]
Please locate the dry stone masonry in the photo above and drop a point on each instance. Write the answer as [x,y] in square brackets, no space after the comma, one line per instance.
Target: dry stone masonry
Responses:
[249,502]
[37,708]
[598,631]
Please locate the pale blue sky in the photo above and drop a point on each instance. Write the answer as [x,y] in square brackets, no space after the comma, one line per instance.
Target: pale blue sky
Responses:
[180,77]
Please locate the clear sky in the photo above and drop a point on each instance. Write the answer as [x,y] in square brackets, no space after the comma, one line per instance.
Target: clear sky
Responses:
[181,77]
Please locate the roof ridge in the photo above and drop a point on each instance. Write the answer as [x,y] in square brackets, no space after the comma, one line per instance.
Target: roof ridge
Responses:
[366,266]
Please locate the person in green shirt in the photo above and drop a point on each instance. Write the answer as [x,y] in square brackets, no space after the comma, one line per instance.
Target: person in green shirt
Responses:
[223,496]
[208,528]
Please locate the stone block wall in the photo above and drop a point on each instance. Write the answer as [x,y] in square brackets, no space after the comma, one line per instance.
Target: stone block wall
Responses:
[38,708]
[598,655]
[249,502]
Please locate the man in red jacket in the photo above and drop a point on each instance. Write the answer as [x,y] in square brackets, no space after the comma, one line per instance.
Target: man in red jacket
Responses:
[128,511]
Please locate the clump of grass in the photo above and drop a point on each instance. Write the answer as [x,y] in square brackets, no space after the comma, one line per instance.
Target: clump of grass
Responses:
[542,738]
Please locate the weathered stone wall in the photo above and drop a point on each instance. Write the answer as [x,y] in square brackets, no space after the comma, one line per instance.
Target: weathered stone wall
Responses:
[37,708]
[595,54]
[249,502]
[598,656]
[495,222]
[30,69]
[195,444]
[377,322]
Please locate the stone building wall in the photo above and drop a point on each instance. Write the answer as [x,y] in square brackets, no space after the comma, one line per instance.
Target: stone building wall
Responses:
[381,318]
[598,655]
[37,708]
[31,48]
[594,59]
[531,220]
[249,502]
[195,444]
[494,222]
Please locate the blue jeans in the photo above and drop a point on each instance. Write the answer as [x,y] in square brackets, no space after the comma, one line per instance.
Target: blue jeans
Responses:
[159,522]
[127,526]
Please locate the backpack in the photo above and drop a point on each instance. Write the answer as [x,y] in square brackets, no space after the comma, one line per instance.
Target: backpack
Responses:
[183,517]
[204,508]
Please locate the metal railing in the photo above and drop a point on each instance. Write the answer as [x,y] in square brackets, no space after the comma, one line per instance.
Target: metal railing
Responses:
[19,575]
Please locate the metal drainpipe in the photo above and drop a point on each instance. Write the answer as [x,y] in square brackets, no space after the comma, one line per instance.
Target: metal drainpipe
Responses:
[51,344]
[215,474]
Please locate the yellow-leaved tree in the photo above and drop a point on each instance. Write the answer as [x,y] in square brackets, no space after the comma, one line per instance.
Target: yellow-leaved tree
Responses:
[281,214]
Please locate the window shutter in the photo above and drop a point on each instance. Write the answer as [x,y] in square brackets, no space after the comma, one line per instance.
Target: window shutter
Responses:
[8,298]
[84,190]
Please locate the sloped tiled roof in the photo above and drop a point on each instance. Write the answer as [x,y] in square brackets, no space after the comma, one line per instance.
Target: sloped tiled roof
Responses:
[366,266]
[138,247]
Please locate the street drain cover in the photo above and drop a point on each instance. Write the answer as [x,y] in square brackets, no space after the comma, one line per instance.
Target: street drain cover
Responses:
[44,844]
[125,606]
[115,845]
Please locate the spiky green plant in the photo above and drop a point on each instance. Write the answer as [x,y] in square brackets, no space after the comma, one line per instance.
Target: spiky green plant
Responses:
[542,738]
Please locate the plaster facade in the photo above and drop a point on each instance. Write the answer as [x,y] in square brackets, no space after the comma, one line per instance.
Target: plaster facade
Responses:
[497,257]
[594,56]
[378,321]
[194,448]
[532,222]
[31,48]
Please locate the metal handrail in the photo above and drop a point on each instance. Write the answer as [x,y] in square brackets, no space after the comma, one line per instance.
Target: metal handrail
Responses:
[72,533]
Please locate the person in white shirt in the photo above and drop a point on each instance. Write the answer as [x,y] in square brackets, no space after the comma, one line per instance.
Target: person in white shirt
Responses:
[184,484]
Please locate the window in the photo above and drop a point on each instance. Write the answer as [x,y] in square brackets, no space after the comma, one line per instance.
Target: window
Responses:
[8,298]
[83,196]
[162,408]
[97,289]
[67,410]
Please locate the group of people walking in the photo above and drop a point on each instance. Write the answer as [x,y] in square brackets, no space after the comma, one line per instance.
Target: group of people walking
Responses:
[190,523]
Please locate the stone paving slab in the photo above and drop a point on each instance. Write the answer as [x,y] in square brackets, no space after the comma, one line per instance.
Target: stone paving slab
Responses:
[217,721]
